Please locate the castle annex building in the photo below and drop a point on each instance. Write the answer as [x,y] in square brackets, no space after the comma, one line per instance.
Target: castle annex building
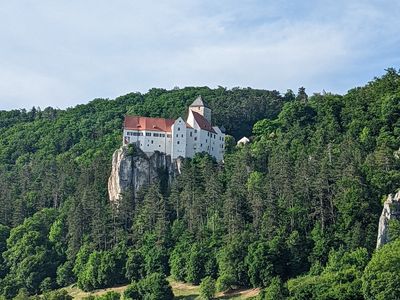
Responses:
[177,137]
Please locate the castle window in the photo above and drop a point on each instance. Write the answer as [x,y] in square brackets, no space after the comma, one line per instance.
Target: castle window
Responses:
[148,133]
[208,134]
[162,134]
[169,135]
[182,135]
[191,133]
[195,131]
[201,145]
[177,142]
[206,140]
[179,129]
[152,142]
[156,134]
[195,138]
[177,135]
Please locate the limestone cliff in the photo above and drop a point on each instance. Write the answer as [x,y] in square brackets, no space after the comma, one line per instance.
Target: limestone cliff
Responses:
[132,169]
[391,210]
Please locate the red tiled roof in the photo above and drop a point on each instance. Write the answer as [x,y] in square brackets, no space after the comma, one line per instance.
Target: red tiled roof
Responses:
[203,123]
[145,123]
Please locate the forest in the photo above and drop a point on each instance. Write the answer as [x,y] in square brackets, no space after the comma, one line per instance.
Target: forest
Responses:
[295,212]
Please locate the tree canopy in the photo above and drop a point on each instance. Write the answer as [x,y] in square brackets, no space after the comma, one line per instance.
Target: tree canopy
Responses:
[294,212]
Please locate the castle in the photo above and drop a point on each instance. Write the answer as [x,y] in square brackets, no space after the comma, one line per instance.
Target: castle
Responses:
[177,137]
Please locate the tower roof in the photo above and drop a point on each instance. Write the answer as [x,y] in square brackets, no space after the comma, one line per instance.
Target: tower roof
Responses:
[199,102]
[202,122]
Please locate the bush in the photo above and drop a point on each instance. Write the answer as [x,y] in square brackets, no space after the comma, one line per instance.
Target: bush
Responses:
[155,286]
[22,295]
[339,280]
[225,282]
[132,292]
[102,269]
[207,288]
[110,296]
[275,291]
[57,295]
[381,276]
[47,284]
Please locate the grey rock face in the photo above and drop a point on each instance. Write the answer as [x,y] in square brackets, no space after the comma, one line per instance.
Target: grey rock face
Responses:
[132,171]
[391,210]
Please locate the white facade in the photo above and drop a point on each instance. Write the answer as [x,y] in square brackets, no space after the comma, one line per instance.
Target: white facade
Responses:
[180,139]
[149,141]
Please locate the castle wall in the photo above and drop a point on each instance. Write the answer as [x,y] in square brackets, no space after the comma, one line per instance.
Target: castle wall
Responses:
[149,141]
[178,148]
[218,144]
[190,141]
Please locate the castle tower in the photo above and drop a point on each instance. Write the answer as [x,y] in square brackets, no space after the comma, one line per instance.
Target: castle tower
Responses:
[202,108]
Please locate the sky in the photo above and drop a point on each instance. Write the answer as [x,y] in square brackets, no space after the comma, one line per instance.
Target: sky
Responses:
[66,52]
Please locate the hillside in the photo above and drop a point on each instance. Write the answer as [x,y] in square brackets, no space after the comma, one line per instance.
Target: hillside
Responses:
[295,212]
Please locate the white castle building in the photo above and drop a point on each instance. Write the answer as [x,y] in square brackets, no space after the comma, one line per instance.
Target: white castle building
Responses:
[177,137]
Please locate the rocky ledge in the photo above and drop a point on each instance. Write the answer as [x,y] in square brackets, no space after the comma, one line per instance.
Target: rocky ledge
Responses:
[132,169]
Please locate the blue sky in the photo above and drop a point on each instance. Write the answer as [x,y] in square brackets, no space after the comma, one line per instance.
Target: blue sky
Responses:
[61,53]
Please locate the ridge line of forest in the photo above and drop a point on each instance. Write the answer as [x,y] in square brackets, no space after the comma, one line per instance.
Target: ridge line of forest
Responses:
[295,212]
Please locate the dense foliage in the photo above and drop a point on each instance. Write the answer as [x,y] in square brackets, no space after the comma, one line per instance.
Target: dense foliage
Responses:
[294,212]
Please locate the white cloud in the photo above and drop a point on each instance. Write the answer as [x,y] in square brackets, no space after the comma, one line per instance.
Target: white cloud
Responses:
[60,52]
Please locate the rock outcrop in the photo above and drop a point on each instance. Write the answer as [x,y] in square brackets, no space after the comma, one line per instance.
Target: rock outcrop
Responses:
[132,169]
[391,210]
